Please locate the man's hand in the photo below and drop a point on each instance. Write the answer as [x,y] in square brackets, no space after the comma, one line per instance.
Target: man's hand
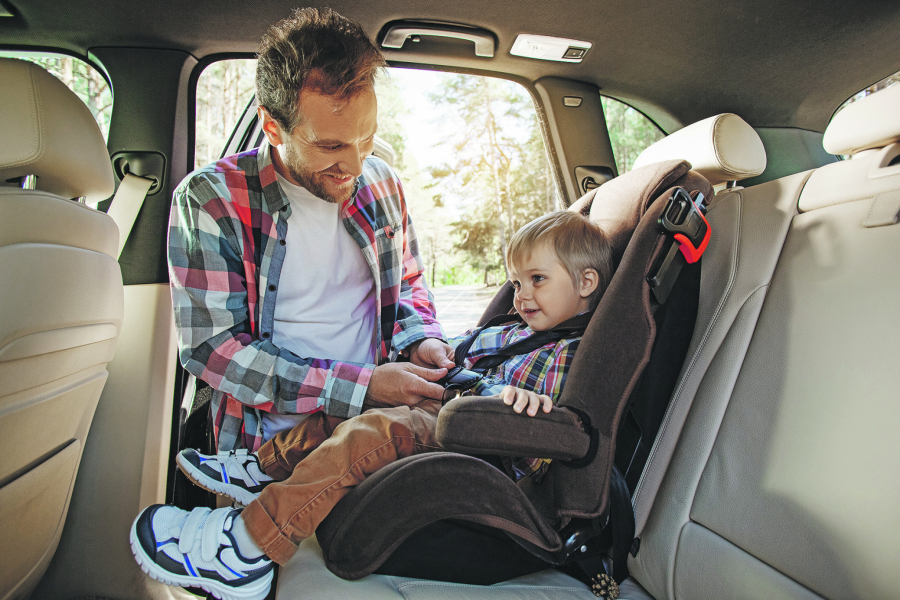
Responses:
[520,399]
[432,352]
[396,384]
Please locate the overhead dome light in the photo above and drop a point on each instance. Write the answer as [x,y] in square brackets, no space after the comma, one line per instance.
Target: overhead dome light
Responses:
[545,47]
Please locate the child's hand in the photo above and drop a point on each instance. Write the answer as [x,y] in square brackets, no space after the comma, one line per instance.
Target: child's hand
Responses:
[519,399]
[431,353]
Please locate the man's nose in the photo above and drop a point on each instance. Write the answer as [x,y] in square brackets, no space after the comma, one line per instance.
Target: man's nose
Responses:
[352,161]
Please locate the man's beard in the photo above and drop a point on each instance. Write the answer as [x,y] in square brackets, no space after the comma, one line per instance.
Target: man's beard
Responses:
[313,181]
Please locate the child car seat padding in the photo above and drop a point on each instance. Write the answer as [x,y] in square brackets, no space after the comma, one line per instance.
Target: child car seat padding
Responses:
[431,483]
[378,515]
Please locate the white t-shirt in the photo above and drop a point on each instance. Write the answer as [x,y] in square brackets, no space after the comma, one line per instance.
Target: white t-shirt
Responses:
[325,305]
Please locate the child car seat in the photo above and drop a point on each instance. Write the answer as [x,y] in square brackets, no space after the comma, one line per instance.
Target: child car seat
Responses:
[474,510]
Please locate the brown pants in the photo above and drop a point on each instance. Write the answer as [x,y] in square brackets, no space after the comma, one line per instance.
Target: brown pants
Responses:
[342,453]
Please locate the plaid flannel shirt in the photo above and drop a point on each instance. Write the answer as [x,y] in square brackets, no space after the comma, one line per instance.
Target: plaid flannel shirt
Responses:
[542,371]
[226,248]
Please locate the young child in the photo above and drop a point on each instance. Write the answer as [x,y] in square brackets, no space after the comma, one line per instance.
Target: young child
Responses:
[559,265]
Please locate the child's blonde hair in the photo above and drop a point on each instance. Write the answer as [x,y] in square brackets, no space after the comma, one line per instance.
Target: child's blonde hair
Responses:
[579,244]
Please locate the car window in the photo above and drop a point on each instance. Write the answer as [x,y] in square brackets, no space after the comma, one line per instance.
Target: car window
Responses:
[470,154]
[224,89]
[80,77]
[629,131]
[875,87]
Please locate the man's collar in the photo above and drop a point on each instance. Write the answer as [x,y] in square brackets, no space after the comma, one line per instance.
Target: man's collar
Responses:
[274,195]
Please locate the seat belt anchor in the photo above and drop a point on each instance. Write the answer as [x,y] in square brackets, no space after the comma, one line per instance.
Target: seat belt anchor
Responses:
[684,219]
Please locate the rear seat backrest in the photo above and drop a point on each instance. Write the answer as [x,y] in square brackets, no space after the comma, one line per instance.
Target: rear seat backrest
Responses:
[775,472]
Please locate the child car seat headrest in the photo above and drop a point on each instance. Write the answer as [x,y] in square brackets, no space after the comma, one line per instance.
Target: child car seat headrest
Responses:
[47,131]
[721,148]
[872,122]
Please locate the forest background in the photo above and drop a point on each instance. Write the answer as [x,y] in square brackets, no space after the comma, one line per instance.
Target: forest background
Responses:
[468,148]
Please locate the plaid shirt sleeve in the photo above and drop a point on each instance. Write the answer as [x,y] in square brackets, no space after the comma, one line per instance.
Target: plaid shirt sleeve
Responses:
[212,298]
[415,311]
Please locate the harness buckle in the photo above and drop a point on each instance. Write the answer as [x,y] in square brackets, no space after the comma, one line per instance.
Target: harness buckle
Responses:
[458,380]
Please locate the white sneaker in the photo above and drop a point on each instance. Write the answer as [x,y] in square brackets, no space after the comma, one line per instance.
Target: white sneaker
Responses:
[196,549]
[235,474]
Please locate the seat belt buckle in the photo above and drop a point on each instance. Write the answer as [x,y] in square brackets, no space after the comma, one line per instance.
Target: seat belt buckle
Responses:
[684,219]
[458,380]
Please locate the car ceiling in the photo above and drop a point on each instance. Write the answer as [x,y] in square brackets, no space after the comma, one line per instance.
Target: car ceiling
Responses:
[775,63]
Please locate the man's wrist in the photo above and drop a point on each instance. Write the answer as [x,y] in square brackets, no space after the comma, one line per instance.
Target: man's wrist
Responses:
[411,348]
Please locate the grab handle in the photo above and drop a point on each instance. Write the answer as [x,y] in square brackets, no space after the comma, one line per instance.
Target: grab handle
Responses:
[398,34]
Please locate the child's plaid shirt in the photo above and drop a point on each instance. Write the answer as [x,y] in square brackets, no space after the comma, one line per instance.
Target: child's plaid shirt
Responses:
[542,371]
[226,248]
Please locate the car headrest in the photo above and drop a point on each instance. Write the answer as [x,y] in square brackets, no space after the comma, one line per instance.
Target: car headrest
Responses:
[47,131]
[872,122]
[721,148]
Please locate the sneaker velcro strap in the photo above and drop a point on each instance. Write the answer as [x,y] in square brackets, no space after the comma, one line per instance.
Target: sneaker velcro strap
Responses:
[211,531]
[190,528]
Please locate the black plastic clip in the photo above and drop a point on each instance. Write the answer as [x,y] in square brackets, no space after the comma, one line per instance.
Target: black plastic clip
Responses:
[684,221]
[457,381]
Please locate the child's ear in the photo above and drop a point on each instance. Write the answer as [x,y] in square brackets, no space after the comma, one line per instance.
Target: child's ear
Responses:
[270,128]
[589,282]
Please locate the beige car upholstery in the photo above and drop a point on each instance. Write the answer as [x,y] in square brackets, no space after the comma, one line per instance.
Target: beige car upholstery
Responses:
[722,148]
[306,573]
[62,304]
[775,472]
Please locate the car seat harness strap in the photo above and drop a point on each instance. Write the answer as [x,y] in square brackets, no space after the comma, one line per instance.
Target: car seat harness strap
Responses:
[459,379]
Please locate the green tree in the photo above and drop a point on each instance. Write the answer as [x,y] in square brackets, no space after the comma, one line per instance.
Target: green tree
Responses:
[223,91]
[500,176]
[392,111]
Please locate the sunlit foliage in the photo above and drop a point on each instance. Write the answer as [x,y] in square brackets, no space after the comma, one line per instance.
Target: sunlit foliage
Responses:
[223,91]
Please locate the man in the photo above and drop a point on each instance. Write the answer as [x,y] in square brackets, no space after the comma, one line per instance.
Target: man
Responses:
[295,267]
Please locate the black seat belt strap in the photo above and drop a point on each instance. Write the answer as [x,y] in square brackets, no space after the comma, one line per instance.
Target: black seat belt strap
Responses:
[570,328]
[463,348]
[459,379]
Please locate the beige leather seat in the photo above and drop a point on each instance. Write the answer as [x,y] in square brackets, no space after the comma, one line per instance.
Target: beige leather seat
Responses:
[61,302]
[775,475]
[775,472]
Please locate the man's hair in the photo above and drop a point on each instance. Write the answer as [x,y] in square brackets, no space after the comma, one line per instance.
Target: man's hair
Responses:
[578,242]
[314,49]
